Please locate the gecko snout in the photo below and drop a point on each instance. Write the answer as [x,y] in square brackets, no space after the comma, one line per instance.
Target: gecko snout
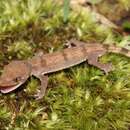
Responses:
[15,73]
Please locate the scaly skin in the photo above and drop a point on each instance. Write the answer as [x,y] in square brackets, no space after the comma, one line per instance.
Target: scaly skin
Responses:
[17,72]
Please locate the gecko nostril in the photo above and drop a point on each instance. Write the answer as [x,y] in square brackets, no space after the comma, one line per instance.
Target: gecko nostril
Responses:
[17,79]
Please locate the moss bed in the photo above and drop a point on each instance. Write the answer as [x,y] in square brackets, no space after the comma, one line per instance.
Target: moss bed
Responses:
[78,98]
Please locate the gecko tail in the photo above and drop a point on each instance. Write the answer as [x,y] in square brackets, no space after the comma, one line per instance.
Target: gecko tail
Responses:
[118,50]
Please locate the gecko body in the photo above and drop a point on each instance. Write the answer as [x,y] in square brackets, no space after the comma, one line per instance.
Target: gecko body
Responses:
[17,72]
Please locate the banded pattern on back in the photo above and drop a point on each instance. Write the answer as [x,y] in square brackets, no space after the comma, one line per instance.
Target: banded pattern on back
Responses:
[64,59]
[72,56]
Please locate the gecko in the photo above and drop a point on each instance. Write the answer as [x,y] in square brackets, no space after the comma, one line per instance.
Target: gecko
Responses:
[17,72]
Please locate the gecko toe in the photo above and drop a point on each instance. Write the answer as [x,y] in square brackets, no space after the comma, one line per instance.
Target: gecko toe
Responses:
[107,68]
[38,95]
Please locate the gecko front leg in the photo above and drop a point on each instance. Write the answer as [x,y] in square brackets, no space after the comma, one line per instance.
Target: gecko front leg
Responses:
[38,65]
[93,60]
[44,82]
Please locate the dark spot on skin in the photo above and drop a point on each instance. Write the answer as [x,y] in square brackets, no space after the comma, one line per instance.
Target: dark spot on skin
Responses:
[64,55]
[106,46]
[84,50]
[43,62]
[124,50]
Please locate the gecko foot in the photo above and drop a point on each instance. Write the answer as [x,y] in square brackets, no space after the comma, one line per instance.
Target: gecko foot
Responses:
[106,67]
[41,93]
[93,60]
[69,44]
[38,95]
[73,43]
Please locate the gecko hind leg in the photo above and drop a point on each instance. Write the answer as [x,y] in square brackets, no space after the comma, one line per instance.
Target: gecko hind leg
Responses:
[93,60]
[44,82]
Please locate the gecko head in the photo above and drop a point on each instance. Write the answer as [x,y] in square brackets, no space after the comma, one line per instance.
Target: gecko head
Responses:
[14,75]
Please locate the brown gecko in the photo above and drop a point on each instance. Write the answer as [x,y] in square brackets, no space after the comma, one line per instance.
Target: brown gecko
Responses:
[17,72]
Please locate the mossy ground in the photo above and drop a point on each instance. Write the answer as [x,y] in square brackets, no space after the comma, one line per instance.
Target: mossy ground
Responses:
[79,98]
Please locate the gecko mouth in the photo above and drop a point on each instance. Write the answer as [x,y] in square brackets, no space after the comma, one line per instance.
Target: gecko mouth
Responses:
[10,88]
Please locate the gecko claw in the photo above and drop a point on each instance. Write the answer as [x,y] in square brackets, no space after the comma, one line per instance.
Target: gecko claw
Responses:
[68,45]
[107,68]
[41,93]
[38,96]
[73,43]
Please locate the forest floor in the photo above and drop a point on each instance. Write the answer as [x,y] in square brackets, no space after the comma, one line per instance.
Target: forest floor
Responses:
[78,98]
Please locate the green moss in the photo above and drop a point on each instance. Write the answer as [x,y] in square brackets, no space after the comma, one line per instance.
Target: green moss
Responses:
[126,25]
[79,98]
[125,4]
[20,49]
